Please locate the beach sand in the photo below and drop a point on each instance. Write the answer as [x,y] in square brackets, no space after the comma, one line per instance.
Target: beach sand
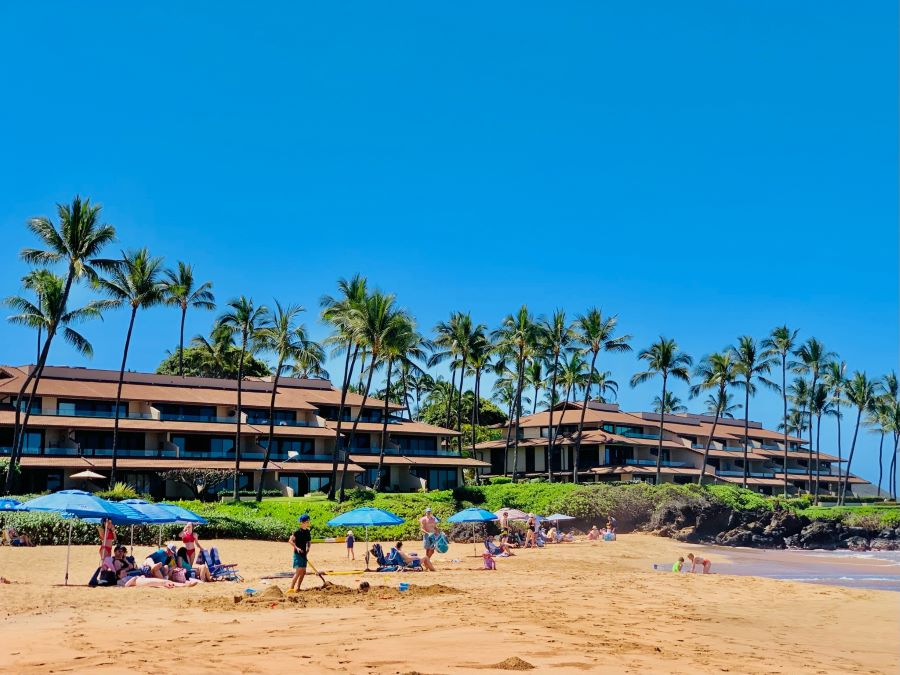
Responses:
[572,608]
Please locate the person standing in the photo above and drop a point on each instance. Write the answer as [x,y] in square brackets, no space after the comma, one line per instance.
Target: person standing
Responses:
[350,541]
[301,540]
[504,526]
[430,530]
[107,539]
[190,541]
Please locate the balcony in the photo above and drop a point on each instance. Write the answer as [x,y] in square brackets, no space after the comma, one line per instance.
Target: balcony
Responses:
[197,418]
[652,462]
[413,453]
[767,447]
[94,414]
[635,434]
[740,474]
[278,423]
[735,448]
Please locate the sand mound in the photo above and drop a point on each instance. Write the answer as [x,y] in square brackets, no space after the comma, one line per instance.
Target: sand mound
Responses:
[271,593]
[512,663]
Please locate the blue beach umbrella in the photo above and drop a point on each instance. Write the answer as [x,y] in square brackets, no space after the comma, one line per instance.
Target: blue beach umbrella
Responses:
[80,504]
[472,515]
[152,514]
[9,504]
[559,516]
[366,517]
[182,515]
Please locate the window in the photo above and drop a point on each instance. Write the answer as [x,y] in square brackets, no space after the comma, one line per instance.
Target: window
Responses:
[330,412]
[368,476]
[281,446]
[261,416]
[618,455]
[319,483]
[623,429]
[82,408]
[88,440]
[216,446]
[360,442]
[564,429]
[54,480]
[244,483]
[437,479]
[416,443]
[186,413]
[35,403]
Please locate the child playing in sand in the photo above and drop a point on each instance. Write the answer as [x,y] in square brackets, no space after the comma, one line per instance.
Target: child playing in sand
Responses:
[300,541]
[594,534]
[678,565]
[350,541]
[704,563]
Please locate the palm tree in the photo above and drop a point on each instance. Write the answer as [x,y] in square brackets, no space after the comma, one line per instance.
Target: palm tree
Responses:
[819,405]
[861,392]
[49,311]
[835,378]
[446,346]
[517,339]
[556,339]
[813,361]
[573,375]
[136,282]
[716,372]
[338,313]
[38,281]
[672,405]
[373,323]
[781,343]
[879,419]
[216,350]
[401,342]
[800,394]
[309,359]
[751,364]
[422,383]
[480,355]
[181,290]
[468,337]
[796,421]
[283,337]
[605,386]
[722,404]
[246,319]
[534,377]
[891,389]
[665,359]
[596,333]
[78,241]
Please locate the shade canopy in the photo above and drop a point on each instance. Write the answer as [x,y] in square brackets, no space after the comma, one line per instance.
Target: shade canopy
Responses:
[514,514]
[151,513]
[560,516]
[10,504]
[365,516]
[181,514]
[87,475]
[472,515]
[81,504]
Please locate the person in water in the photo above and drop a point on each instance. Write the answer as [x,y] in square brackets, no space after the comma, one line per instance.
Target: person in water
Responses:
[697,561]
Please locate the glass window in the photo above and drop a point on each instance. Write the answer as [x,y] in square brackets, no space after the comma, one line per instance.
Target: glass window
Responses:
[35,403]
[261,416]
[319,483]
[186,413]
[85,408]
[281,446]
[416,443]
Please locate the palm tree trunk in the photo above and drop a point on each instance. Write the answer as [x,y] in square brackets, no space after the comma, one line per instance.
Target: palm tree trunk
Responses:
[840,463]
[587,398]
[521,384]
[711,434]
[405,383]
[115,438]
[534,407]
[559,426]
[477,406]
[181,342]
[462,377]
[812,394]
[262,476]
[338,439]
[892,479]
[509,428]
[880,461]
[384,431]
[551,440]
[850,459]
[452,394]
[362,406]
[784,418]
[237,433]
[818,455]
[662,417]
[746,430]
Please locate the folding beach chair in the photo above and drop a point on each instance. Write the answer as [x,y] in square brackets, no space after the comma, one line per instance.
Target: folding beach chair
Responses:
[218,571]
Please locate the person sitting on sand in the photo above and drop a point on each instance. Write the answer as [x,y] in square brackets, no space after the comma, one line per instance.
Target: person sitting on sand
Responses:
[552,535]
[301,541]
[191,542]
[678,566]
[17,538]
[412,558]
[159,562]
[501,549]
[704,563]
[197,570]
[594,534]
[120,563]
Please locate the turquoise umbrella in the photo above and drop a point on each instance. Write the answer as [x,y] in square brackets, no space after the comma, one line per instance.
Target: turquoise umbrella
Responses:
[366,517]
[472,515]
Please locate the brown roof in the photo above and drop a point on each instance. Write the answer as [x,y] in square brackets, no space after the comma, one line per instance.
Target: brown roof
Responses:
[166,463]
[794,454]
[573,415]
[419,460]
[7,417]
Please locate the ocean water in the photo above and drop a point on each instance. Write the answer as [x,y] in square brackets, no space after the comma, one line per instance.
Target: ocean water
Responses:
[878,570]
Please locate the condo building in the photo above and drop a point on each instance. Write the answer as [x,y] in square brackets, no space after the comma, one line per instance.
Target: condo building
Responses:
[169,422]
[624,446]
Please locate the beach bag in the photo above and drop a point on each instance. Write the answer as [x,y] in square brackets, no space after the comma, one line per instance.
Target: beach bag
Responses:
[441,544]
[106,578]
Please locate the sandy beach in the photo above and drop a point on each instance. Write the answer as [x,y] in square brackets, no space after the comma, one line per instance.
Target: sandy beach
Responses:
[571,608]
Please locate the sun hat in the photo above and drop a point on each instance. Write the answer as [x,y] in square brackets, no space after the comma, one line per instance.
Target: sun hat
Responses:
[427,509]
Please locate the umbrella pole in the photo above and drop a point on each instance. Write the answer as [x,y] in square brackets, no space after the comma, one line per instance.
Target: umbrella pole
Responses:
[68,551]
[132,542]
[474,547]
[160,536]
[367,548]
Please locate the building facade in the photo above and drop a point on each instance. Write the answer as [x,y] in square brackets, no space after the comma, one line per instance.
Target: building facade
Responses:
[169,422]
[624,446]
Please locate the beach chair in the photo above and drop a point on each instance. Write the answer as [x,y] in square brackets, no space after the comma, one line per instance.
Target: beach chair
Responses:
[384,564]
[218,570]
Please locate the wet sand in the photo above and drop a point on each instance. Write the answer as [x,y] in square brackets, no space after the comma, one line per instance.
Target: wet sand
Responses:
[571,608]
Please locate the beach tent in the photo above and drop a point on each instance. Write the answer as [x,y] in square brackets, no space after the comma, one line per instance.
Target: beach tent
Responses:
[80,504]
[366,517]
[472,515]
[153,515]
[514,514]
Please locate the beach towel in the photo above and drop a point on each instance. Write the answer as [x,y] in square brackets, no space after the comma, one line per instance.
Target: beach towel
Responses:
[441,543]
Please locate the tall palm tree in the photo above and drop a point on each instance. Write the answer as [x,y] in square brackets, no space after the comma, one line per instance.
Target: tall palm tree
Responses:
[135,282]
[49,311]
[244,319]
[596,333]
[38,281]
[879,419]
[813,361]
[517,340]
[835,378]
[573,375]
[401,342]
[672,404]
[446,347]
[373,324]
[479,359]
[468,336]
[555,341]
[284,338]
[422,383]
[77,243]
[891,388]
[665,359]
[182,290]
[309,359]
[534,377]
[338,313]
[216,350]
[800,395]
[752,365]
[781,344]
[722,404]
[819,404]
[716,372]
[861,392]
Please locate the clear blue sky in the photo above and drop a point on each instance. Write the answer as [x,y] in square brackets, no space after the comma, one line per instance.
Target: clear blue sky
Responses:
[702,169]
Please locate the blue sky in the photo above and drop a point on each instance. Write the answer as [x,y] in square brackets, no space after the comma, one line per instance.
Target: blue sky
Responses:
[703,169]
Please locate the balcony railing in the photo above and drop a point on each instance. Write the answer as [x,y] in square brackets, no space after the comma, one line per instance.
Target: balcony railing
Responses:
[740,474]
[764,446]
[635,434]
[279,423]
[170,417]
[94,414]
[652,462]
[440,452]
